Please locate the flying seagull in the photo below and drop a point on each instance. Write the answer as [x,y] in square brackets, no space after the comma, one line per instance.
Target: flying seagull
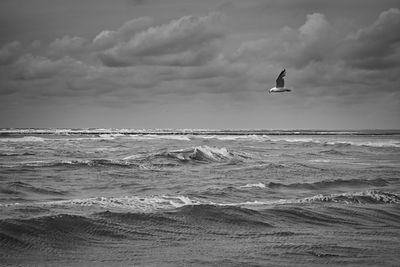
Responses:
[280,84]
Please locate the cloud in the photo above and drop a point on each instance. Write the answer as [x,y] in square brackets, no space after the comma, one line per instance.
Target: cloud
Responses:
[376,46]
[315,25]
[186,56]
[293,47]
[109,38]
[10,52]
[325,59]
[68,45]
[190,40]
[30,67]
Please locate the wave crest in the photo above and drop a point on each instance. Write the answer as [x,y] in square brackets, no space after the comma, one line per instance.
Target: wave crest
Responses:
[205,153]
[365,197]
[23,139]
[132,203]
[330,184]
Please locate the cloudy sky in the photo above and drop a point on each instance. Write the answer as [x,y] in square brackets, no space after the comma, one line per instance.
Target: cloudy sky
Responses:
[199,64]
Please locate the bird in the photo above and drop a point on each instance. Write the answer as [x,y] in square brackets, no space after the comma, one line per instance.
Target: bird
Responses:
[280,84]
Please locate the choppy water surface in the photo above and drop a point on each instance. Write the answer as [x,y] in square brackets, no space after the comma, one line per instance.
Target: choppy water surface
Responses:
[120,198]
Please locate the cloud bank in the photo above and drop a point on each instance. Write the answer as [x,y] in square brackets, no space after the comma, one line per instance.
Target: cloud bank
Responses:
[141,60]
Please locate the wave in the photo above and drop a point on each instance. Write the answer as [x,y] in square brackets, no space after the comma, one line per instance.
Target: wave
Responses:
[364,197]
[201,131]
[14,154]
[23,139]
[72,163]
[193,154]
[18,188]
[159,137]
[66,236]
[131,203]
[338,143]
[169,202]
[257,185]
[164,158]
[54,233]
[307,141]
[333,152]
[331,184]
[206,153]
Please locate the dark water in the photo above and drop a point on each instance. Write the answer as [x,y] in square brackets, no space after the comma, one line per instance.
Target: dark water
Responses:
[102,198]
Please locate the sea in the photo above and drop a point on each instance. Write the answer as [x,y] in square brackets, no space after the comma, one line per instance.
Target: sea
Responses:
[199,197]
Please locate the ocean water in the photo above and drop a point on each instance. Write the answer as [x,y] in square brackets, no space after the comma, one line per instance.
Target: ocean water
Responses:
[121,197]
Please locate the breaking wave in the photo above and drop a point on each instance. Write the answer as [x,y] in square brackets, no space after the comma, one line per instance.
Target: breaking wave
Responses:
[131,203]
[257,185]
[193,154]
[205,154]
[72,163]
[184,219]
[167,202]
[164,158]
[364,197]
[23,139]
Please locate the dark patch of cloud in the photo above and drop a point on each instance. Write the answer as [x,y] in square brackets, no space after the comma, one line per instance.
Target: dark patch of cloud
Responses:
[10,52]
[29,67]
[137,2]
[376,46]
[68,45]
[312,42]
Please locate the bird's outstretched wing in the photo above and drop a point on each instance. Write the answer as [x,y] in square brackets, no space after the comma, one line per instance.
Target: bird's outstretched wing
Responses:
[280,82]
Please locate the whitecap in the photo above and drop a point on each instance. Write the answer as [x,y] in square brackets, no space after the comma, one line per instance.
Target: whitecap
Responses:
[259,185]
[132,203]
[23,139]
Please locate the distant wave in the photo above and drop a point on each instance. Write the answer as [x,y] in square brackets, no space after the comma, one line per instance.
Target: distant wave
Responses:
[186,136]
[14,154]
[23,139]
[128,131]
[72,163]
[338,143]
[159,137]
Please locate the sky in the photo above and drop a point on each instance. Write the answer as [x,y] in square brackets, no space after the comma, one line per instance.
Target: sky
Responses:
[199,64]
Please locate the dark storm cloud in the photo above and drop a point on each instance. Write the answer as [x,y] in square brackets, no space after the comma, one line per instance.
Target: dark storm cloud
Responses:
[186,56]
